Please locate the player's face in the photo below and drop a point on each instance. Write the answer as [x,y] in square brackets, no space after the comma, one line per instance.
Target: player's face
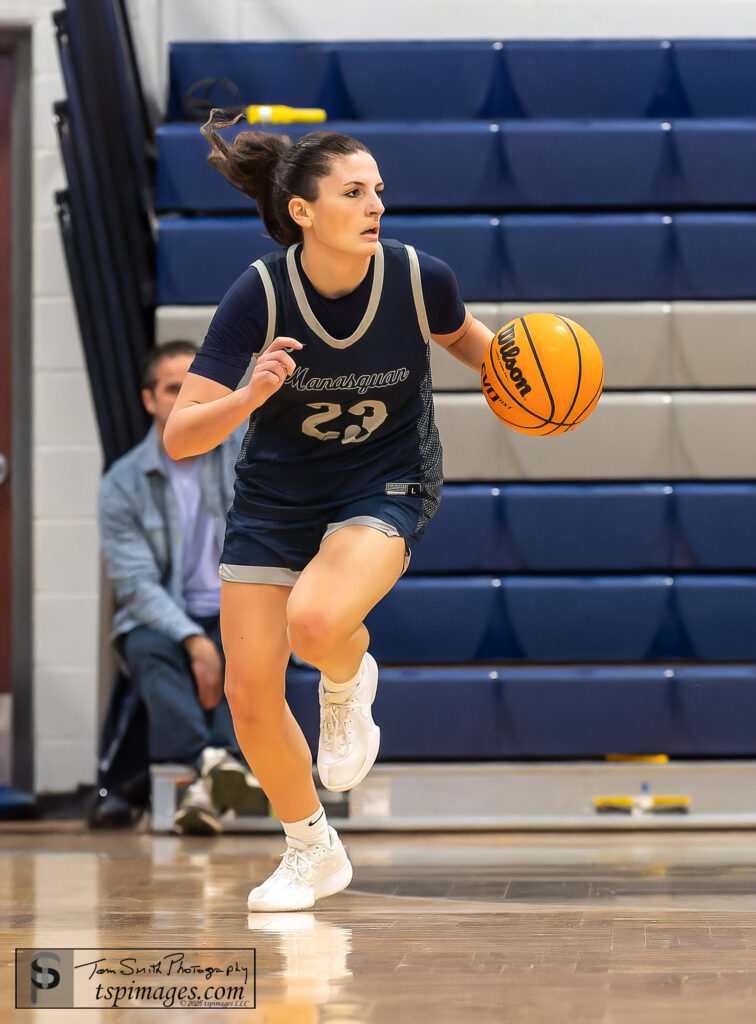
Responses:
[169,376]
[347,212]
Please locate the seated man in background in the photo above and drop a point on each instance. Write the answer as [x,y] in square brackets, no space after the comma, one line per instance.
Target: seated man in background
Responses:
[161,526]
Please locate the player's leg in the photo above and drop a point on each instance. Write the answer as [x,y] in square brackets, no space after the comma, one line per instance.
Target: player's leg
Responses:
[355,567]
[253,626]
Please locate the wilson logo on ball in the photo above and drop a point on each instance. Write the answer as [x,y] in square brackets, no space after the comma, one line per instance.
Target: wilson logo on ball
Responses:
[508,350]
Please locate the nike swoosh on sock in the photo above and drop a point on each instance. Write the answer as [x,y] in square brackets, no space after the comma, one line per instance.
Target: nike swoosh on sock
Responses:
[311,823]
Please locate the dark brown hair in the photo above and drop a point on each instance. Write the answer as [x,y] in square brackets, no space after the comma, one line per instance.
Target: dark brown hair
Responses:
[156,355]
[270,169]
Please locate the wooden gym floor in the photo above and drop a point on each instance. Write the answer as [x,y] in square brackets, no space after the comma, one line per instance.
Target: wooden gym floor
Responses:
[591,928]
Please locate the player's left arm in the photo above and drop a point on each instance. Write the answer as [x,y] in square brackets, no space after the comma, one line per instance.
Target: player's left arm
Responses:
[469,343]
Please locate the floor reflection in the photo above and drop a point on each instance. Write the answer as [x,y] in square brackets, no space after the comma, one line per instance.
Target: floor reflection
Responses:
[302,968]
[448,928]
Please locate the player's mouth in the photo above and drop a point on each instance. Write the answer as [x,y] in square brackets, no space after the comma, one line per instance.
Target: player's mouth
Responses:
[371,232]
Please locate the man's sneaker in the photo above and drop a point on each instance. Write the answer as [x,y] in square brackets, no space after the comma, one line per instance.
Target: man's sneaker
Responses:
[232,785]
[349,738]
[305,874]
[197,814]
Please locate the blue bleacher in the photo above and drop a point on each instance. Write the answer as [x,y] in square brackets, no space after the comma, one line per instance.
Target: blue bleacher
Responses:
[652,128]
[717,77]
[717,708]
[713,162]
[425,165]
[591,527]
[200,257]
[554,528]
[548,620]
[633,164]
[535,257]
[552,712]
[591,78]
[581,619]
[716,254]
[718,612]
[715,525]
[542,79]
[655,543]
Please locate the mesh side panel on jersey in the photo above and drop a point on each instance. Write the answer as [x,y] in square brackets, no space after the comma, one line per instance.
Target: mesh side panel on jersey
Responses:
[247,438]
[430,451]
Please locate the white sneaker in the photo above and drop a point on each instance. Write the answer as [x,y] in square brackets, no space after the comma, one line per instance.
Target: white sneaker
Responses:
[197,814]
[349,738]
[232,784]
[305,874]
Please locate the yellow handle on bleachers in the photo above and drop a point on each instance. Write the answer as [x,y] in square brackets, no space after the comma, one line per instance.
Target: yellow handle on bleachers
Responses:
[277,113]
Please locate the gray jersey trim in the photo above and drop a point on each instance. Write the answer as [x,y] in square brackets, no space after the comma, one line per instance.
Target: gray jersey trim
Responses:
[310,318]
[417,293]
[258,574]
[270,295]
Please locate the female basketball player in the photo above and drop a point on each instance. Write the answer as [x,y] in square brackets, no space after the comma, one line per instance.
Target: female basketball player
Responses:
[338,474]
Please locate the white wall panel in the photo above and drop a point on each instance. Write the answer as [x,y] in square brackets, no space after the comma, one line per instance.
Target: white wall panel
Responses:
[66,482]
[64,558]
[200,20]
[63,764]
[716,434]
[63,412]
[57,345]
[48,266]
[628,437]
[48,177]
[66,634]
[188,322]
[72,712]
[716,343]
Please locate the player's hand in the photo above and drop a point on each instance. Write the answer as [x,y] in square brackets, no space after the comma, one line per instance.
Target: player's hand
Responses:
[207,670]
[272,369]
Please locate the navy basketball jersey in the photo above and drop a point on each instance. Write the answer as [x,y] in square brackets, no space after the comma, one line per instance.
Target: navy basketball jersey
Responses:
[355,419]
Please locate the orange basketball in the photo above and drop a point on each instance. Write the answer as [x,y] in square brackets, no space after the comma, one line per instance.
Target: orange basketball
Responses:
[542,374]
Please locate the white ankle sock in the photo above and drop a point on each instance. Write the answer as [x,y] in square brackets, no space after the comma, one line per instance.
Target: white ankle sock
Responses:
[311,830]
[342,687]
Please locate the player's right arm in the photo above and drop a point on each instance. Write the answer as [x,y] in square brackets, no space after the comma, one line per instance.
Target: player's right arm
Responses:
[206,411]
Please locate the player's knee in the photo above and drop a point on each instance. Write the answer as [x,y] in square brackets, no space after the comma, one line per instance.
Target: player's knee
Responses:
[312,634]
[252,702]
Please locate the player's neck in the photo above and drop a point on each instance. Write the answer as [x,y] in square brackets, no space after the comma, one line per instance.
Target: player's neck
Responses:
[333,273]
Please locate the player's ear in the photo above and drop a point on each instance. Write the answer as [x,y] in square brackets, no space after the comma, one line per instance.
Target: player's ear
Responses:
[299,211]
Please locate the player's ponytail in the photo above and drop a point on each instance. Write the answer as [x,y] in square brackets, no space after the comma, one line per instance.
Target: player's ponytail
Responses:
[249,163]
[270,169]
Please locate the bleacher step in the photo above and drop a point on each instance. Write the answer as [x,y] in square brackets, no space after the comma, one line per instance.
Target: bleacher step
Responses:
[537,795]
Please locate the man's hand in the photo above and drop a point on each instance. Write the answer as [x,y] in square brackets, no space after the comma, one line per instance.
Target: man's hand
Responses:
[207,670]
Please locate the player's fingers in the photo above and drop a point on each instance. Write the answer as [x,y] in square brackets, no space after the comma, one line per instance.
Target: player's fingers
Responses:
[284,343]
[279,358]
[271,376]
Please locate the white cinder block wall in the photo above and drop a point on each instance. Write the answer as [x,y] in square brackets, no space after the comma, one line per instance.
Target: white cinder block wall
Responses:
[66,450]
